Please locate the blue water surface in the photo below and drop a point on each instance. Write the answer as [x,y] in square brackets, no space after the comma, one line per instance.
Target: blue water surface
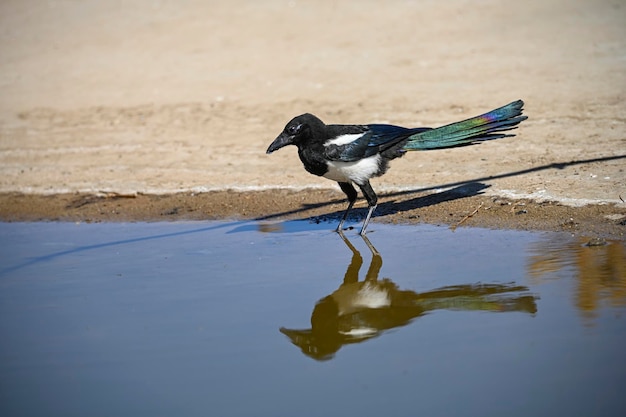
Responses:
[289,319]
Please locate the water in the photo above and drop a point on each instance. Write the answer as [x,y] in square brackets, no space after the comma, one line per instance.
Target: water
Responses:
[248,319]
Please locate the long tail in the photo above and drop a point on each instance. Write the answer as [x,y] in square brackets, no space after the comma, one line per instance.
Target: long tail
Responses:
[468,131]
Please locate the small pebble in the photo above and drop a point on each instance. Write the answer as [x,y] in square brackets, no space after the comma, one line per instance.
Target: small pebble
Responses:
[596,241]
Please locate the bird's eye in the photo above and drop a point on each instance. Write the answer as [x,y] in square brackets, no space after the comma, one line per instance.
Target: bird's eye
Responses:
[293,129]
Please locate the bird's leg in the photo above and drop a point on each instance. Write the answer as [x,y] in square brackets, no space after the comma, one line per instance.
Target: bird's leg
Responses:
[344,217]
[372,201]
[370,246]
[367,220]
[375,264]
[352,274]
[351,193]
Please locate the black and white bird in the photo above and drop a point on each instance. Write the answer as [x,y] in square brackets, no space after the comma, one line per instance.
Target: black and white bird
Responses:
[352,154]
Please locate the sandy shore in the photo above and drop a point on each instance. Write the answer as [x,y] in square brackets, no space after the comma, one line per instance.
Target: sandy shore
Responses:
[458,207]
[166,101]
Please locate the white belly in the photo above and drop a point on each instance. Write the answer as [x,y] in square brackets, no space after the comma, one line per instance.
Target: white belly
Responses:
[357,172]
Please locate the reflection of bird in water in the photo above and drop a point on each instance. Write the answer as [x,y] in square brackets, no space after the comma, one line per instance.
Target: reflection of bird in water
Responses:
[360,310]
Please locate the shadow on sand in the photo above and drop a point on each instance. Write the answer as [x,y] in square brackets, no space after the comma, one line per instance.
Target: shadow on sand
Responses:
[455,190]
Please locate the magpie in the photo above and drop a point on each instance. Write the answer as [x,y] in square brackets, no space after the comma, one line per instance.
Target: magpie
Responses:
[353,154]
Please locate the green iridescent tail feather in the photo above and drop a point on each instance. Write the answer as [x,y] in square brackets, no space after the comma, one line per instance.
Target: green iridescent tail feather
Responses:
[476,129]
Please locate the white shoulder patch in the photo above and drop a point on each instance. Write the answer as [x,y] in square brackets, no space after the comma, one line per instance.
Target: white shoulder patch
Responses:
[344,139]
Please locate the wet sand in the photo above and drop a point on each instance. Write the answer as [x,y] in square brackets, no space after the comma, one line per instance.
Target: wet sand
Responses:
[458,207]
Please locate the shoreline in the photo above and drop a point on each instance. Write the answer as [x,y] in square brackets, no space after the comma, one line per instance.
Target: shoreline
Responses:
[457,207]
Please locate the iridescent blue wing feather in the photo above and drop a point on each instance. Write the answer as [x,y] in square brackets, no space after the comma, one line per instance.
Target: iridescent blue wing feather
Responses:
[476,129]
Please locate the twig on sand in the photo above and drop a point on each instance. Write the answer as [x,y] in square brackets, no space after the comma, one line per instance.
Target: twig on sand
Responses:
[466,217]
[114,194]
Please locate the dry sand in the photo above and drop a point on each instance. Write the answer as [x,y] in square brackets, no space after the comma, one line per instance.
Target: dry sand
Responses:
[174,101]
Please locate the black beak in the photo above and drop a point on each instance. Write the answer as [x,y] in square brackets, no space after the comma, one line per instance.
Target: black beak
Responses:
[281,141]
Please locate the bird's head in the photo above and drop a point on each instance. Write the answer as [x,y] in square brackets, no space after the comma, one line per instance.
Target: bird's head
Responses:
[297,131]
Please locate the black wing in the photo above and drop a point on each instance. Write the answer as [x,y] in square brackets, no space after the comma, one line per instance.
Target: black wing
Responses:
[376,139]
